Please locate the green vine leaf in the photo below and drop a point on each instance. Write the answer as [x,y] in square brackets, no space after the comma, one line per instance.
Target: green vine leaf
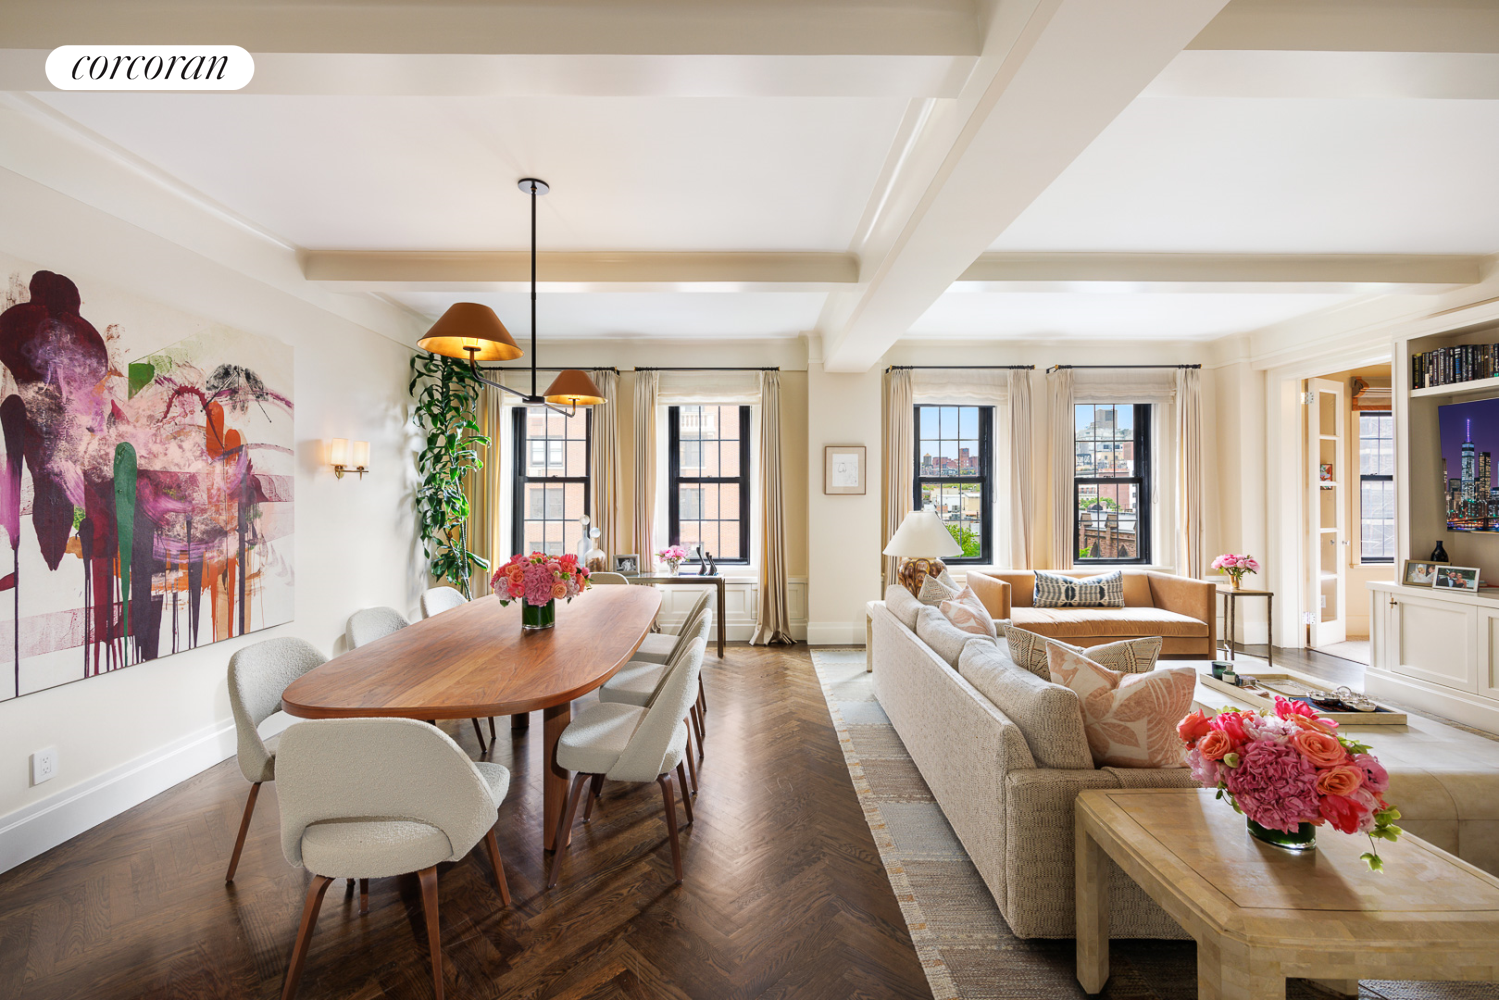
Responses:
[447,401]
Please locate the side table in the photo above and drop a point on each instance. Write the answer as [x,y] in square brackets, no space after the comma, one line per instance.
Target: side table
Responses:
[715,581]
[1231,618]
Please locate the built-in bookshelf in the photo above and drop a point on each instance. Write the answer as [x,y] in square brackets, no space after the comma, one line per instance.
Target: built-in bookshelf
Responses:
[1450,364]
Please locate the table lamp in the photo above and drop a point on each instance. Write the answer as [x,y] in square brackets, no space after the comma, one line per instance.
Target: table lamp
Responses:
[920,541]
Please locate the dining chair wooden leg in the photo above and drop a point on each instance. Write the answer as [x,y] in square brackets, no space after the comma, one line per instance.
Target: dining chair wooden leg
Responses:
[697,722]
[480,734]
[428,878]
[564,824]
[691,757]
[702,695]
[493,847]
[671,824]
[594,790]
[244,828]
[364,896]
[315,893]
[686,799]
[491,731]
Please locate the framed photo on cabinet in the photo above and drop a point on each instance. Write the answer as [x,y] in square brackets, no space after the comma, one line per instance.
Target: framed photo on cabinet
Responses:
[845,470]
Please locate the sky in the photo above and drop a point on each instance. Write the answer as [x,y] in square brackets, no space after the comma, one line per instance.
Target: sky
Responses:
[1453,418]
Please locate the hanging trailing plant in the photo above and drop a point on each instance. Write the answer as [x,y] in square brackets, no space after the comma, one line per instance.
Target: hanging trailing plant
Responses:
[447,400]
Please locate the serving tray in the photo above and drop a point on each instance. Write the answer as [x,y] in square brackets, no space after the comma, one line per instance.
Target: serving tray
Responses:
[1294,686]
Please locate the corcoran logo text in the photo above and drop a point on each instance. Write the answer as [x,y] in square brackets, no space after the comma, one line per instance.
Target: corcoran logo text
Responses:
[149,67]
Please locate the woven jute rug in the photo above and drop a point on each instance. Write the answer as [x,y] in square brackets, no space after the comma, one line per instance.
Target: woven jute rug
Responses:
[961,938]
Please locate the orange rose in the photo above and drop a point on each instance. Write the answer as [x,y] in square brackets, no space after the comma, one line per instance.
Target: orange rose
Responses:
[1192,728]
[559,589]
[1316,724]
[1215,744]
[1319,748]
[1340,780]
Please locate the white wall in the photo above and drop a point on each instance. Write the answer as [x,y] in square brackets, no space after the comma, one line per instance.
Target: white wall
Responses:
[126,735]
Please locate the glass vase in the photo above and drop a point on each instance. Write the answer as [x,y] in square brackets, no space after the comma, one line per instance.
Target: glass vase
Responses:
[1304,839]
[534,617]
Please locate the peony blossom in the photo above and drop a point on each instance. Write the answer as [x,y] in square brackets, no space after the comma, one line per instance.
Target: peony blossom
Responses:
[1215,745]
[1193,728]
[1341,811]
[1275,786]
[1340,780]
[1376,778]
[1231,723]
[1205,772]
[1319,748]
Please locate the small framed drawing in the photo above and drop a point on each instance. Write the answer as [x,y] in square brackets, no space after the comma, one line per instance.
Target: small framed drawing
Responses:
[627,565]
[845,469]
[1456,578]
[1419,573]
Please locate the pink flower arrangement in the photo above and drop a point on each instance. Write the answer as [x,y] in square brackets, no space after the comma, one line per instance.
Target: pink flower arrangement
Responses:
[1236,566]
[672,555]
[1288,767]
[537,579]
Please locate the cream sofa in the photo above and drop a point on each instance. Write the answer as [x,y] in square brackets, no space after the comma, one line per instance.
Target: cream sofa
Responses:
[985,763]
[1179,609]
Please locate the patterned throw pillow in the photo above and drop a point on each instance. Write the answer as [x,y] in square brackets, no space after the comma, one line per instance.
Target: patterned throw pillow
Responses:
[968,613]
[1056,591]
[1128,656]
[936,589]
[1130,719]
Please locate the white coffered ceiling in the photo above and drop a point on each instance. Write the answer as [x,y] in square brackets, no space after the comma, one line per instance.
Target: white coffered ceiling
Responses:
[760,169]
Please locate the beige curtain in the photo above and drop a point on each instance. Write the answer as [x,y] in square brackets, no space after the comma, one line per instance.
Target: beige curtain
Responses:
[1189,513]
[603,463]
[773,623]
[484,492]
[647,385]
[899,459]
[1063,460]
[1020,469]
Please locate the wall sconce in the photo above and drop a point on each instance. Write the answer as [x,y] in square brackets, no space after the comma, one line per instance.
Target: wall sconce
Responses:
[344,458]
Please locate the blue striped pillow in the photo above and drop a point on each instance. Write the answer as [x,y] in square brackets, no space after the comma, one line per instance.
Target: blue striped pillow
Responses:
[1056,591]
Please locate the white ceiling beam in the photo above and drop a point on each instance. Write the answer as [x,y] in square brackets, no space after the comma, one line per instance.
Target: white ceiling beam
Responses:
[1191,272]
[1059,76]
[1354,26]
[666,27]
[581,270]
[1265,73]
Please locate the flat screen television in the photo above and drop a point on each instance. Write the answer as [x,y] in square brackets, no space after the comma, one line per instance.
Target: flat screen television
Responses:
[1470,448]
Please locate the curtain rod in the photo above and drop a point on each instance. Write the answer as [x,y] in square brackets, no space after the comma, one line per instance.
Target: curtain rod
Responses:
[773,368]
[982,368]
[542,368]
[1058,367]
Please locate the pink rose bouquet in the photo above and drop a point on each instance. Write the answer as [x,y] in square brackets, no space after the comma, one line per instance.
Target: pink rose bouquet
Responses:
[672,555]
[1288,767]
[537,579]
[1236,566]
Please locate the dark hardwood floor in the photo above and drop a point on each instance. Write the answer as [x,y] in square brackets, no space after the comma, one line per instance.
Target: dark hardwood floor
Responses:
[1334,669]
[784,894]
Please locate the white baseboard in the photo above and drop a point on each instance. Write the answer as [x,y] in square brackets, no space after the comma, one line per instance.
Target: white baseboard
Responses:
[42,825]
[835,633]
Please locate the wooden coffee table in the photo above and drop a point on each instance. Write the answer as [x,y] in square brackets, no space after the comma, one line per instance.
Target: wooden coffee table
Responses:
[1261,915]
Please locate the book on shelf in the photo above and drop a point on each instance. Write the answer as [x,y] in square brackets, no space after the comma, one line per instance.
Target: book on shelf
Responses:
[1452,365]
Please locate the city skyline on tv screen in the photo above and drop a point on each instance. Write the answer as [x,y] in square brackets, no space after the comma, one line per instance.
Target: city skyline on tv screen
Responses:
[1470,453]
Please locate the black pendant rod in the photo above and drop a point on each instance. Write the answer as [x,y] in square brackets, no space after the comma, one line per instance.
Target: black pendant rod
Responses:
[533,289]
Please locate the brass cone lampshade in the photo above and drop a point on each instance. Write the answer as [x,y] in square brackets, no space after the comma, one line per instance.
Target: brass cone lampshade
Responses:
[574,388]
[469,331]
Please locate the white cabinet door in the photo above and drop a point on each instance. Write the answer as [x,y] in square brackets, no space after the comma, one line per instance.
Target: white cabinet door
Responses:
[1436,641]
[1488,653]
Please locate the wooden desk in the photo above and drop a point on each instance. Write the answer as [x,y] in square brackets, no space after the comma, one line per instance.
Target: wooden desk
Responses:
[475,661]
[1260,914]
[718,581]
[1231,618]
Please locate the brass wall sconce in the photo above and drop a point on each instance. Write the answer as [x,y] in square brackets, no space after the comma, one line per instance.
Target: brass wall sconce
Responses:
[345,458]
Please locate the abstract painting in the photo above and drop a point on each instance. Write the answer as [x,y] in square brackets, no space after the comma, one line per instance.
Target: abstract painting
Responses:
[145,484]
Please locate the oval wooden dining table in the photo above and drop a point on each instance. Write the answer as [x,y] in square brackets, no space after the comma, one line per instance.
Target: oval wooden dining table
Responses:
[475,661]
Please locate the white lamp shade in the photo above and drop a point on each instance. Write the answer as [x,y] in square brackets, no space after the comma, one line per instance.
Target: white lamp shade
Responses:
[338,451]
[922,535]
[360,455]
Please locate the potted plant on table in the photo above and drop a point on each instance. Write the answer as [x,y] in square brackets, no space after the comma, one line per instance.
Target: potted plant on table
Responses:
[672,555]
[537,581]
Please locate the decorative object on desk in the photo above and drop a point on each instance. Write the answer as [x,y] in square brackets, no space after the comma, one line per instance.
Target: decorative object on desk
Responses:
[1439,554]
[1456,578]
[920,542]
[584,541]
[1236,566]
[1419,573]
[1288,771]
[672,555]
[843,472]
[629,565]
[709,565]
[1220,667]
[537,581]
[595,558]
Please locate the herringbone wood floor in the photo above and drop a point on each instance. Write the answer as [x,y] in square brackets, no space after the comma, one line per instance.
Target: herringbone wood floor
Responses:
[784,893]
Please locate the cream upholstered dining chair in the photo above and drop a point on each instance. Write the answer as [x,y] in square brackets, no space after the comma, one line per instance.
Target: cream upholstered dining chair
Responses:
[365,626]
[373,798]
[440,599]
[258,674]
[637,683]
[603,576]
[629,743]
[658,646]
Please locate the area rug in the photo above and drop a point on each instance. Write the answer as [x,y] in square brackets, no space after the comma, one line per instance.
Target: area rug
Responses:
[963,943]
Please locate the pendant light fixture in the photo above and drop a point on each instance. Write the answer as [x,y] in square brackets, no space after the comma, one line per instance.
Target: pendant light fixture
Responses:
[472,332]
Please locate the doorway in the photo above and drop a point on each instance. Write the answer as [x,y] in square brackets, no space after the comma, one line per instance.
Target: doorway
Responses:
[1349,513]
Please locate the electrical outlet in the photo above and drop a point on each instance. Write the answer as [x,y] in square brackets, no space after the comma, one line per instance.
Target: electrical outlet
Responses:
[44,765]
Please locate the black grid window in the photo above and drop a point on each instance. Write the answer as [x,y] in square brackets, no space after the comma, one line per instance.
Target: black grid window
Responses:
[955,457]
[708,494]
[551,480]
[1111,483]
[1376,486]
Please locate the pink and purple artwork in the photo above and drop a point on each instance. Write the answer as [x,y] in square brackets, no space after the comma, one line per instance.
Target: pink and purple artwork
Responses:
[145,485]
